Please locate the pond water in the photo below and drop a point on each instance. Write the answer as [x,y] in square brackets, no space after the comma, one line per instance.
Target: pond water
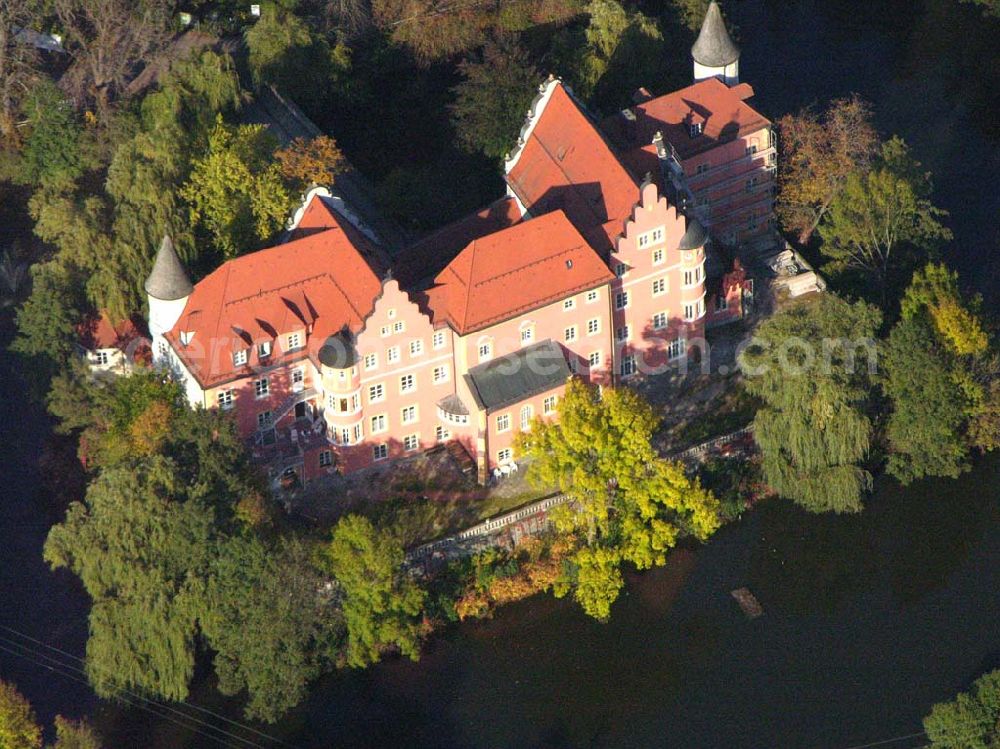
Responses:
[868,620]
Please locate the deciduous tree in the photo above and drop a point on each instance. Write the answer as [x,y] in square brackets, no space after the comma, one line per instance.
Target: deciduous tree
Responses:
[880,217]
[236,191]
[18,63]
[18,728]
[492,100]
[75,734]
[971,720]
[811,364]
[381,603]
[314,161]
[819,151]
[627,502]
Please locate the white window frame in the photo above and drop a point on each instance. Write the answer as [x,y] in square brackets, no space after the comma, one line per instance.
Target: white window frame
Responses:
[622,300]
[440,374]
[484,346]
[371,361]
[380,452]
[525,416]
[294,341]
[504,456]
[407,383]
[438,339]
[392,355]
[411,442]
[569,304]
[379,423]
[263,349]
[659,256]
[442,433]
[623,333]
[593,295]
[660,286]
[660,320]
[262,388]
[593,326]
[409,414]
[239,356]
[549,404]
[225,399]
[325,458]
[570,334]
[503,422]
[376,392]
[594,359]
[417,347]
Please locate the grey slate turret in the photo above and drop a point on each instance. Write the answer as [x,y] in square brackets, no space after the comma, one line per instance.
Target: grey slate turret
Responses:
[168,281]
[714,48]
[695,235]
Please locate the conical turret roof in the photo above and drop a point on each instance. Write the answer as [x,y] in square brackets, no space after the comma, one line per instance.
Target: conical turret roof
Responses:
[714,48]
[695,235]
[168,280]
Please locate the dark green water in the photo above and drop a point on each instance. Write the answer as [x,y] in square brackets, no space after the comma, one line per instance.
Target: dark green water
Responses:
[869,619]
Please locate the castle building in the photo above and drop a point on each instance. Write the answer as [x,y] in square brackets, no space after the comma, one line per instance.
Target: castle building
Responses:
[333,358]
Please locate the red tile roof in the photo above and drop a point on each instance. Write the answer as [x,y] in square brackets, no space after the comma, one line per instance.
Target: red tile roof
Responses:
[521,268]
[566,163]
[323,279]
[722,111]
[422,261]
[99,332]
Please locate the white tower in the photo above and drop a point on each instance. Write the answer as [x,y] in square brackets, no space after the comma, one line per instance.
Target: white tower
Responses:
[715,55]
[168,289]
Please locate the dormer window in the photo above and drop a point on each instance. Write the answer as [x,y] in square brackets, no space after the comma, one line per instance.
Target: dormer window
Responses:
[695,129]
[186,337]
[294,341]
[240,357]
[263,349]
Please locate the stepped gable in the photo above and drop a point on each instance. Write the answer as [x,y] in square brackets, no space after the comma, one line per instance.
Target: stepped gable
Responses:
[564,162]
[721,110]
[419,263]
[504,274]
[320,279]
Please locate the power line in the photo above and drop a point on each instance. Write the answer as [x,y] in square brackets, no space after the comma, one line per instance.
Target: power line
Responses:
[887,741]
[29,656]
[130,697]
[186,704]
[439,11]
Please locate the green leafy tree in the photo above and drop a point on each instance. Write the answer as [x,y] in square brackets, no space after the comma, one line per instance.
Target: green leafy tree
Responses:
[18,728]
[690,12]
[883,219]
[18,65]
[52,152]
[941,379]
[285,52]
[810,365]
[491,101]
[381,603]
[75,734]
[270,627]
[140,551]
[46,321]
[627,502]
[236,191]
[971,720]
[926,427]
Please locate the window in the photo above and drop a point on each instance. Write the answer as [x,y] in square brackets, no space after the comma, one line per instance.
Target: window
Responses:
[594,326]
[438,339]
[407,384]
[378,423]
[161,347]
[376,393]
[325,459]
[298,379]
[657,257]
[504,456]
[294,341]
[409,414]
[650,237]
[689,278]
[416,347]
[526,413]
[701,168]
[345,436]
[239,357]
[485,350]
[628,365]
[620,270]
[225,399]
[659,286]
[440,374]
[549,405]
[750,184]
[721,303]
[262,387]
[263,349]
[594,359]
[102,357]
[391,314]
[752,148]
[371,361]
[358,432]
[441,434]
[621,300]
[676,348]
[392,354]
[411,442]
[593,295]
[694,310]
[527,333]
[503,423]
[660,320]
[264,419]
[398,327]
[384,331]
[569,334]
[380,452]
[622,334]
[569,304]
[695,129]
